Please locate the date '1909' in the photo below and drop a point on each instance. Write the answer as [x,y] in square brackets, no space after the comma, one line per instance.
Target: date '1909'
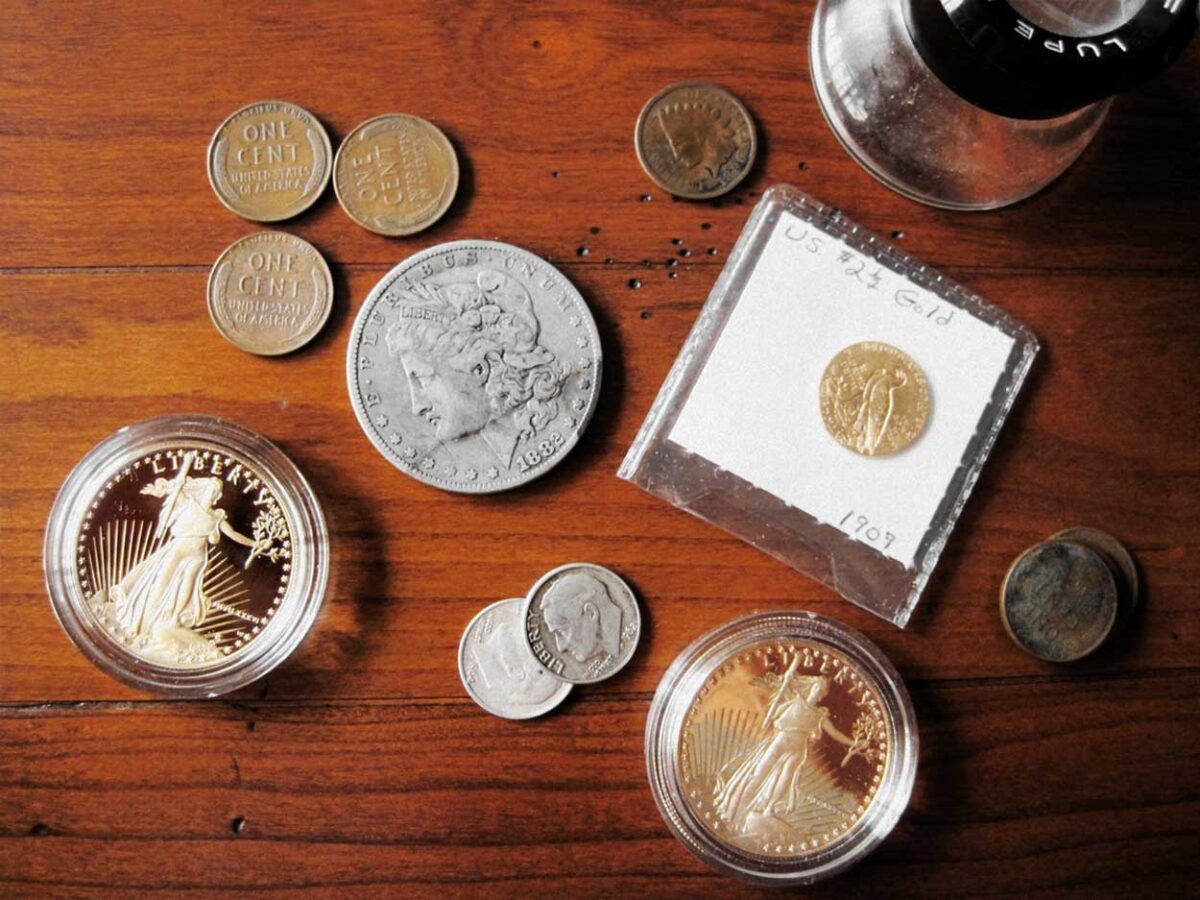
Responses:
[860,527]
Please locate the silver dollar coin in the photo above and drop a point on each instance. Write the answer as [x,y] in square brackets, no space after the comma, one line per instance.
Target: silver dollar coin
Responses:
[497,670]
[582,622]
[474,366]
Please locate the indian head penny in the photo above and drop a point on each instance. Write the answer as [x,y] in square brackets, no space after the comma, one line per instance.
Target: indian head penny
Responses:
[270,293]
[498,670]
[695,140]
[582,622]
[1059,600]
[783,749]
[874,399]
[474,366]
[395,174]
[269,161]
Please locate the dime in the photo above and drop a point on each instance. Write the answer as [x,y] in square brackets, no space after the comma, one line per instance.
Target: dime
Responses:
[270,293]
[783,749]
[185,554]
[1114,553]
[497,670]
[474,366]
[269,161]
[1059,601]
[582,622]
[395,175]
[874,399]
[695,140]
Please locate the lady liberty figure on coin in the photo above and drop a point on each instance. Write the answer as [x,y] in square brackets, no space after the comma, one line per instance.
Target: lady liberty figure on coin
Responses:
[474,362]
[161,600]
[757,793]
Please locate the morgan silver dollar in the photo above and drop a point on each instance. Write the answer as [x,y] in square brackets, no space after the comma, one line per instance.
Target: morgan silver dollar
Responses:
[474,366]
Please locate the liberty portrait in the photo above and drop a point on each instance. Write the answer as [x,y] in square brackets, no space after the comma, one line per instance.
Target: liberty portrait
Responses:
[157,589]
[475,364]
[582,617]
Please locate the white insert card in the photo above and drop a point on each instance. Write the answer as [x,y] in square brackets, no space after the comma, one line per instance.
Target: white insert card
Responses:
[755,410]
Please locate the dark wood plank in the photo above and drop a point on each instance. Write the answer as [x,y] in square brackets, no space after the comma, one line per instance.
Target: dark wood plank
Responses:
[368,795]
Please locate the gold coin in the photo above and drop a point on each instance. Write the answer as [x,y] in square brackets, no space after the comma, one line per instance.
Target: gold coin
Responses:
[695,140]
[783,749]
[270,293]
[1058,601]
[269,161]
[395,175]
[874,399]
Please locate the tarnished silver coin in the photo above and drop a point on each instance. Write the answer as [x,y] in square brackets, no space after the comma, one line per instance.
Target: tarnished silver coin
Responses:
[498,670]
[474,366]
[582,622]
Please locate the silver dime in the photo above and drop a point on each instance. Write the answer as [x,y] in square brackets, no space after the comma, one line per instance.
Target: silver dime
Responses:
[474,366]
[582,622]
[497,669]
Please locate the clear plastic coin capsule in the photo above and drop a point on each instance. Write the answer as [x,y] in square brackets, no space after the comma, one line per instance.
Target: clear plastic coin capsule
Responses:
[781,747]
[186,556]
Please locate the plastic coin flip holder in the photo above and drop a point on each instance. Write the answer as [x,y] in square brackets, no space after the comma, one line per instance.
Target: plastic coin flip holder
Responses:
[736,435]
[186,556]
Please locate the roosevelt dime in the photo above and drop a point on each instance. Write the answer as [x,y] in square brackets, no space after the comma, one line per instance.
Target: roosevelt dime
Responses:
[474,366]
[497,669]
[270,293]
[582,622]
[269,161]
[1058,601]
[695,140]
[874,399]
[783,749]
[395,174]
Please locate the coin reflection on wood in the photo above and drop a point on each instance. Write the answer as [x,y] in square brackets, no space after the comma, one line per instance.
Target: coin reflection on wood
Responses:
[783,749]
[582,622]
[270,293]
[269,161]
[474,366]
[499,672]
[695,140]
[395,174]
[1058,601]
[874,399]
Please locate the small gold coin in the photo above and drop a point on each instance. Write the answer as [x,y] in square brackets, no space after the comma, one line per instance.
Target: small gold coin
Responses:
[270,293]
[874,399]
[395,174]
[269,161]
[1058,601]
[783,749]
[695,140]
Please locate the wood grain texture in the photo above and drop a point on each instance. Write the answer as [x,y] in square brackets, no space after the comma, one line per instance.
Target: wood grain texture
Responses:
[359,765]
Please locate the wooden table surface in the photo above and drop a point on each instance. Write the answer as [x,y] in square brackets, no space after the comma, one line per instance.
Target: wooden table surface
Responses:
[360,765]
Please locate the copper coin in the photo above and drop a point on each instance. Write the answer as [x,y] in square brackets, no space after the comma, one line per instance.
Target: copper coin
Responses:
[395,174]
[1059,601]
[1114,552]
[783,749]
[874,399]
[269,161]
[270,293]
[695,140]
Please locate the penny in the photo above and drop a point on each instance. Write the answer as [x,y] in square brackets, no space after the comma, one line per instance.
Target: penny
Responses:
[1114,553]
[497,669]
[695,140]
[874,399]
[1058,601]
[395,174]
[582,622]
[474,366]
[270,293]
[269,161]
[783,749]
[185,554]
